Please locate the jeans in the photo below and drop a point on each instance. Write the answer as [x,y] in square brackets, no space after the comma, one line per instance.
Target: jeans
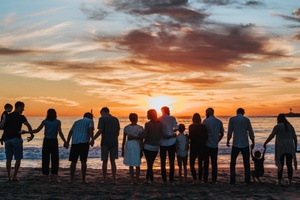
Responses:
[150,158]
[163,156]
[211,153]
[200,156]
[246,160]
[289,165]
[50,149]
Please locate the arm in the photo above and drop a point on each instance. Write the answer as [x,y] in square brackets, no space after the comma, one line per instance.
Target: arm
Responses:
[66,145]
[252,153]
[29,129]
[2,122]
[229,132]
[221,135]
[35,130]
[263,156]
[251,134]
[91,135]
[99,132]
[61,133]
[123,143]
[271,136]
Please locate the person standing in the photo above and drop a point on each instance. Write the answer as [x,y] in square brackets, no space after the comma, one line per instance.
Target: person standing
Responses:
[50,144]
[215,132]
[167,143]
[131,148]
[109,127]
[82,136]
[240,126]
[7,110]
[153,133]
[182,148]
[285,146]
[13,139]
[197,137]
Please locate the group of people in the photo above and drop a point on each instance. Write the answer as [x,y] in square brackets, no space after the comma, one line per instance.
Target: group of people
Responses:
[159,134]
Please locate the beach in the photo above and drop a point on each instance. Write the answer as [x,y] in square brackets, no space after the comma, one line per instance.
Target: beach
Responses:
[32,185]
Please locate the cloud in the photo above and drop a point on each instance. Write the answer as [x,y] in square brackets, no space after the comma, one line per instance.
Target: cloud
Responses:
[55,101]
[289,79]
[9,51]
[94,12]
[254,3]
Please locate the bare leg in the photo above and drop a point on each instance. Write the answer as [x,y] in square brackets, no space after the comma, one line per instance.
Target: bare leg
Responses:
[17,167]
[72,170]
[114,169]
[83,171]
[104,170]
[138,170]
[8,169]
[131,171]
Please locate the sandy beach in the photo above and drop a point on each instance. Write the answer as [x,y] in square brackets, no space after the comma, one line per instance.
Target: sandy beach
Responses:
[32,185]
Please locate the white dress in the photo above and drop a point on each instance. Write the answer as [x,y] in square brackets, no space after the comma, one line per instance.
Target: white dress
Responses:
[132,147]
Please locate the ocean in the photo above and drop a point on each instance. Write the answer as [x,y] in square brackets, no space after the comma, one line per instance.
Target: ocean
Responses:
[262,127]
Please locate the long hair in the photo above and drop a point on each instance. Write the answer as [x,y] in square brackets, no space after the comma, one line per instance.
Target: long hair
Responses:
[51,114]
[282,119]
[196,118]
[152,115]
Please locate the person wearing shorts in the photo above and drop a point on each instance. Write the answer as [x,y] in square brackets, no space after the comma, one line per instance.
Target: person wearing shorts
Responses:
[13,139]
[82,136]
[109,127]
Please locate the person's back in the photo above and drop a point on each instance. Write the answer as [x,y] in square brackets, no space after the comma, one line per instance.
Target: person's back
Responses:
[240,126]
[13,125]
[111,127]
[51,128]
[197,136]
[214,129]
[169,124]
[153,132]
[80,130]
[182,145]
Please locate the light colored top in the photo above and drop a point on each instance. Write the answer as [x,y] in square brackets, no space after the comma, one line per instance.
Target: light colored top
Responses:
[51,128]
[284,142]
[134,131]
[182,144]
[80,130]
[240,126]
[169,124]
[214,129]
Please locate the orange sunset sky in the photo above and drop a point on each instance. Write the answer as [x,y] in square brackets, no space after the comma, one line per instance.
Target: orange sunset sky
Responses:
[132,55]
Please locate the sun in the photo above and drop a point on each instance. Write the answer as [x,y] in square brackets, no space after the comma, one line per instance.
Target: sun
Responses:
[160,101]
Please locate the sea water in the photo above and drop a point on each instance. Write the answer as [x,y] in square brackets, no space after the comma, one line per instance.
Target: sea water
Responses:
[262,127]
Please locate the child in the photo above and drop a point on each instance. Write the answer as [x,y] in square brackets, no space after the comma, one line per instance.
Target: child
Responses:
[50,143]
[131,152]
[7,109]
[182,146]
[258,165]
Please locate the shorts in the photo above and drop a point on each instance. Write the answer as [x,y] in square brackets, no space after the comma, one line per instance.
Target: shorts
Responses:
[14,147]
[113,152]
[81,149]
[182,160]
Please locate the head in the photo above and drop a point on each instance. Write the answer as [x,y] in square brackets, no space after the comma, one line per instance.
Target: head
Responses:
[196,118]
[282,119]
[257,154]
[181,128]
[165,110]
[104,110]
[19,106]
[51,114]
[8,107]
[133,117]
[240,111]
[152,115]
[88,115]
[209,112]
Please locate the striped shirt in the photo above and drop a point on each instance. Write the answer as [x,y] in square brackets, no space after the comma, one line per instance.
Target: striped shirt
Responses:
[80,130]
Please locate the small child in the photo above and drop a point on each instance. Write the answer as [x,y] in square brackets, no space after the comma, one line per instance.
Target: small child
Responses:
[132,143]
[7,110]
[258,165]
[182,146]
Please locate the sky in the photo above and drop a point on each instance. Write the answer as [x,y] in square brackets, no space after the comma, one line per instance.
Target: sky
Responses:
[133,55]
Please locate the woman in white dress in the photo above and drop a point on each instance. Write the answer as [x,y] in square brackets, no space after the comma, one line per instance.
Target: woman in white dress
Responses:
[132,150]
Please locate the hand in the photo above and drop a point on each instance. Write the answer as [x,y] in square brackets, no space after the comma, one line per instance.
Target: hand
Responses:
[228,144]
[252,146]
[66,145]
[92,142]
